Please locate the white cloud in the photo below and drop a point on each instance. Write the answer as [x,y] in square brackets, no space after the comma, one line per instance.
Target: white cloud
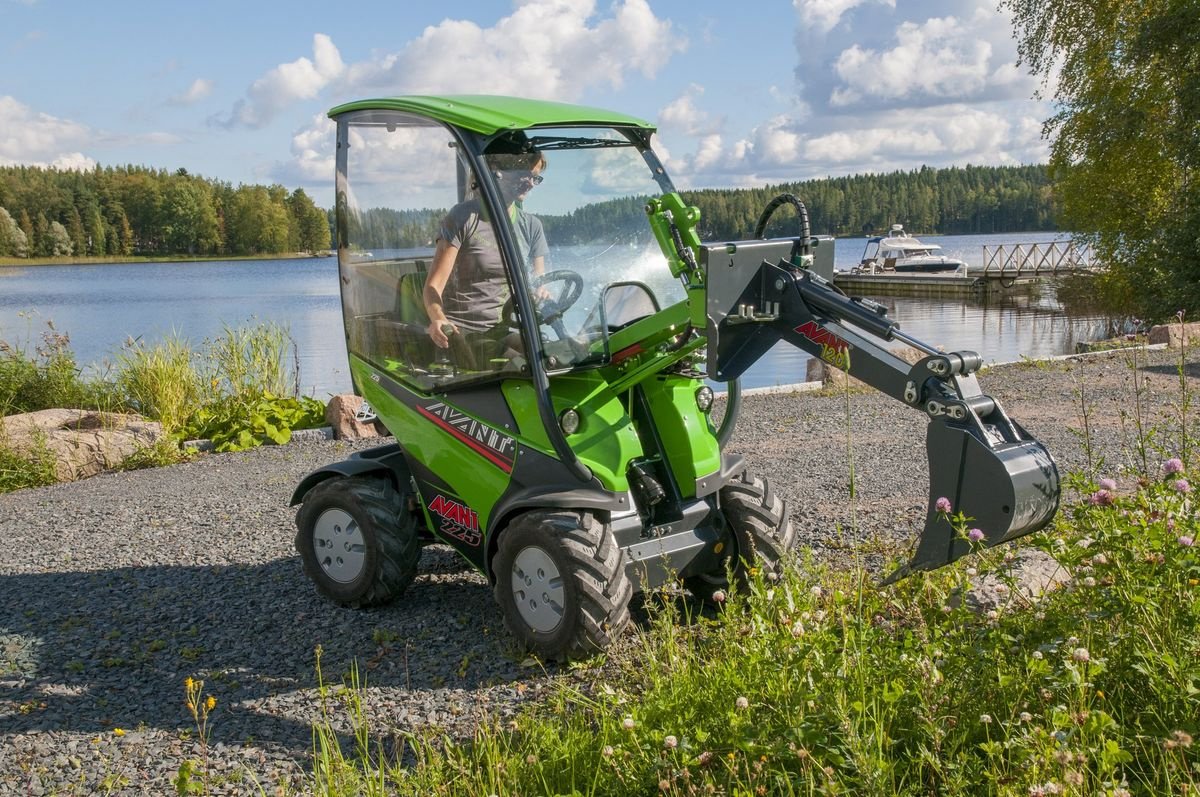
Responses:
[301,79]
[682,114]
[824,15]
[38,139]
[551,49]
[312,150]
[33,138]
[548,49]
[940,57]
[200,88]
[73,161]
[781,149]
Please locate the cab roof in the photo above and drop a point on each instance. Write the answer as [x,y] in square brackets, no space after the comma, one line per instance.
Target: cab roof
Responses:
[487,114]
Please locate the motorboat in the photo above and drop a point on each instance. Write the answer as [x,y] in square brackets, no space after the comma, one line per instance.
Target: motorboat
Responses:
[900,252]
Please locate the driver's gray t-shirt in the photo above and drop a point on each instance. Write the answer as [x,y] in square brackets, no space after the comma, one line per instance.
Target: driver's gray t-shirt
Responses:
[477,288]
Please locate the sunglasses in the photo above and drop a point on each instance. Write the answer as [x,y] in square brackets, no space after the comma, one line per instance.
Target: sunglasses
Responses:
[522,174]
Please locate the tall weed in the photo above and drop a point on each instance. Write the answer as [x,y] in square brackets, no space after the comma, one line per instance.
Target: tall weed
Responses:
[160,381]
[31,466]
[249,362]
[43,375]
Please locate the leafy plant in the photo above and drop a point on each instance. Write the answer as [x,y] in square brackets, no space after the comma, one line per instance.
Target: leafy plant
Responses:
[234,425]
[164,451]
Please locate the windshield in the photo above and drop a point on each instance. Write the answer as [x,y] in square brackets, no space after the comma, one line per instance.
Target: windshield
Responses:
[426,278]
[591,205]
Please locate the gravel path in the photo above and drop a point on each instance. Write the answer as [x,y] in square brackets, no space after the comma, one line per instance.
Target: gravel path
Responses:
[116,589]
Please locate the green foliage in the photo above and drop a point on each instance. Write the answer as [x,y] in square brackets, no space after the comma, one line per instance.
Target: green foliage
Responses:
[30,467]
[12,239]
[247,362]
[825,683]
[974,199]
[1126,77]
[234,423]
[134,209]
[165,451]
[48,377]
[160,381]
[256,224]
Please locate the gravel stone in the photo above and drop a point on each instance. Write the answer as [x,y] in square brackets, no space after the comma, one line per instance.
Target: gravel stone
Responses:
[117,588]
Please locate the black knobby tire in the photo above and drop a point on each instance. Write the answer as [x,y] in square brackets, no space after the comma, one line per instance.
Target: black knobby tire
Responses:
[588,606]
[376,536]
[760,533]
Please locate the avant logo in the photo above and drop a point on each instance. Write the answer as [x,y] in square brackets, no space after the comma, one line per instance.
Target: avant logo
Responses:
[491,444]
[834,350]
[458,520]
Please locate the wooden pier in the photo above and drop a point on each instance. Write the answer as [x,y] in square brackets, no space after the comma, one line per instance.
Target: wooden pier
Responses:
[1005,267]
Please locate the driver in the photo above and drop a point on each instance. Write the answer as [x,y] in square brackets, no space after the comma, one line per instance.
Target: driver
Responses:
[466,285]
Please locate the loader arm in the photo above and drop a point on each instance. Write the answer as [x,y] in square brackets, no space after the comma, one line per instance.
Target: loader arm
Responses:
[988,467]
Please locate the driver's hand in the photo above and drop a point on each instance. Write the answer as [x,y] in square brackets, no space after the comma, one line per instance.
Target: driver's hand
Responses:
[439,332]
[542,293]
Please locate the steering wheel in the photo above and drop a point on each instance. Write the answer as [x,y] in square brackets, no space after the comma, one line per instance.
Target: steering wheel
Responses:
[550,310]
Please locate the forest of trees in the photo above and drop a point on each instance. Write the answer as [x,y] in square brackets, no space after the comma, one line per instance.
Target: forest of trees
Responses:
[135,210]
[972,199]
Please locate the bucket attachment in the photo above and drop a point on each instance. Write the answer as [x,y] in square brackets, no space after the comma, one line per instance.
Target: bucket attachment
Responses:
[1006,489]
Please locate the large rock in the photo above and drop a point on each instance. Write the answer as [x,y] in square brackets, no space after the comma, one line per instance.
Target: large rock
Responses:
[343,414]
[1175,335]
[82,442]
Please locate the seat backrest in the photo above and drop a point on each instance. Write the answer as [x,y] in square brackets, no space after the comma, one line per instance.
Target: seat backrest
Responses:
[410,297]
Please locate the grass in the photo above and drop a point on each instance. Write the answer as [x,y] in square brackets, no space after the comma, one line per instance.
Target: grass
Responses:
[241,389]
[825,683]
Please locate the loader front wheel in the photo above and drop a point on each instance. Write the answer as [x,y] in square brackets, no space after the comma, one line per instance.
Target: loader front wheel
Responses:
[760,535]
[358,540]
[561,584]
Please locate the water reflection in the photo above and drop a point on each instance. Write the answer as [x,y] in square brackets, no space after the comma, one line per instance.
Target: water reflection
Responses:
[100,306]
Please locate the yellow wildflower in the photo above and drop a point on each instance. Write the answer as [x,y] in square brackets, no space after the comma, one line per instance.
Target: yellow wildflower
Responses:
[210,704]
[188,683]
[118,732]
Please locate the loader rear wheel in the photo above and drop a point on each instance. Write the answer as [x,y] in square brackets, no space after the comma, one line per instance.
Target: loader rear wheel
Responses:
[760,535]
[358,540]
[561,584]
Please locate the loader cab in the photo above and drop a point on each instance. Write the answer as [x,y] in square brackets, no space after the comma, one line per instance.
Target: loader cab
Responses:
[551,259]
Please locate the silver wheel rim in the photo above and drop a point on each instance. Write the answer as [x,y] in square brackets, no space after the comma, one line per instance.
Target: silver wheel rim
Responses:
[537,589]
[339,545]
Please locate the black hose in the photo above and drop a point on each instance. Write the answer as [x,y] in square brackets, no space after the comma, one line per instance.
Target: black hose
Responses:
[733,406]
[773,205]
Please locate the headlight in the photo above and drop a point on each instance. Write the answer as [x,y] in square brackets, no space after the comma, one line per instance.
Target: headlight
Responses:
[704,398]
[568,421]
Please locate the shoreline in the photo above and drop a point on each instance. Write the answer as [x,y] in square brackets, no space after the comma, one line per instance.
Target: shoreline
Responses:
[136,260]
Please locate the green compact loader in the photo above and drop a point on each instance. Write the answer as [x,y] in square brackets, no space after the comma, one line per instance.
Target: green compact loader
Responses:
[561,441]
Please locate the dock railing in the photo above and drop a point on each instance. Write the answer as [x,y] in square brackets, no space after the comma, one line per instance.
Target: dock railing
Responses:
[1011,261]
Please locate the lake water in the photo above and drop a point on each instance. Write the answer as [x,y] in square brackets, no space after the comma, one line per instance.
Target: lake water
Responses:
[100,306]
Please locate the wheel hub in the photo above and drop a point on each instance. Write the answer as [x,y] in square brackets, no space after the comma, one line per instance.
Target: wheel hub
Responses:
[537,588]
[339,545]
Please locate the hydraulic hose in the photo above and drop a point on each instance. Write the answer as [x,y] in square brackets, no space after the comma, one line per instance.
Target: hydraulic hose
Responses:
[733,406]
[773,205]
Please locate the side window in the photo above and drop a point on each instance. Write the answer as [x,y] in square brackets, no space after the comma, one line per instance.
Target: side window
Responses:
[410,215]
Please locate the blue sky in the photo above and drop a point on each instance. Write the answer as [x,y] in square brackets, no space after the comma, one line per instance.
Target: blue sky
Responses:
[744,93]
